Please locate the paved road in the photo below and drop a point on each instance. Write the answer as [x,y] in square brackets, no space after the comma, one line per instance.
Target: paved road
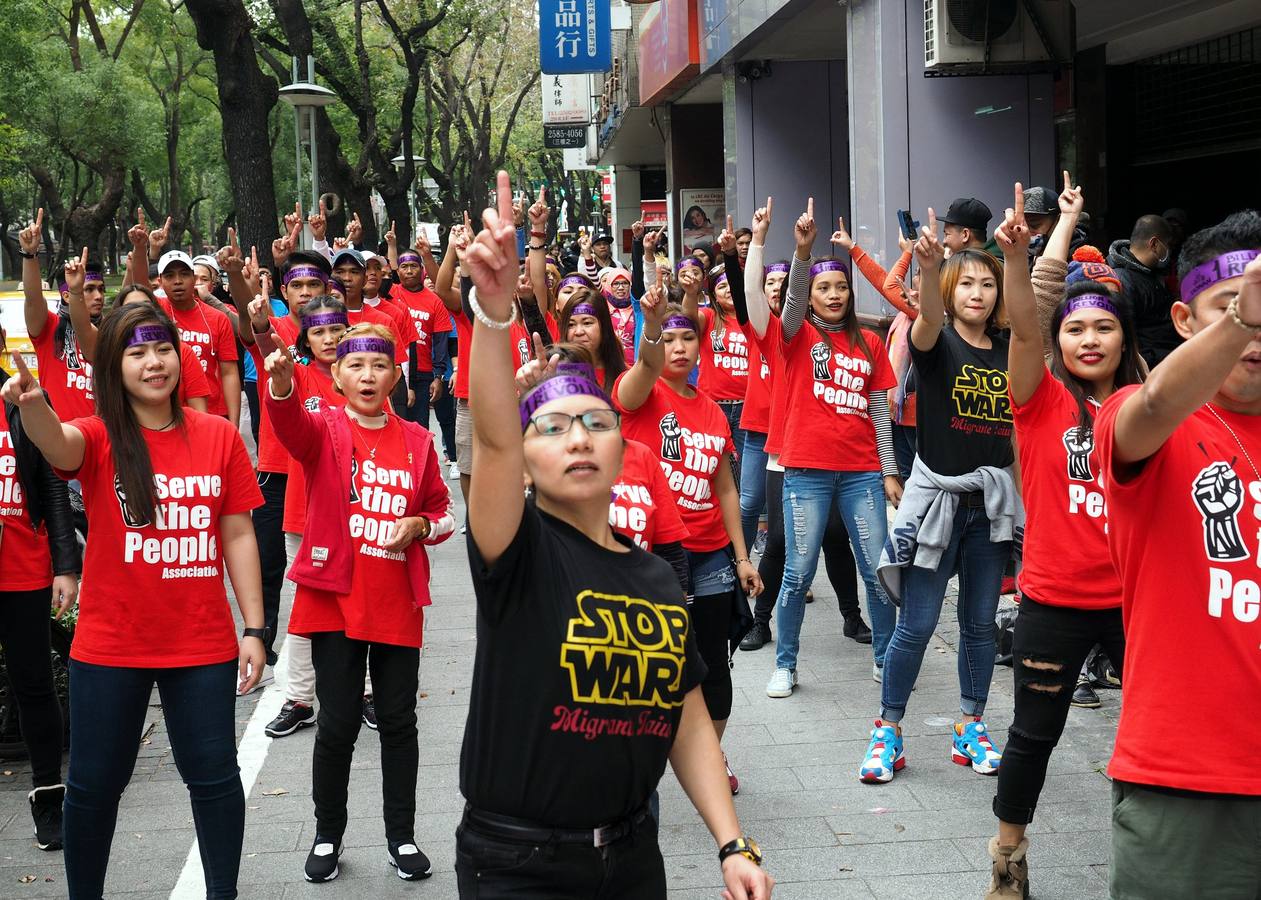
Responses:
[824,834]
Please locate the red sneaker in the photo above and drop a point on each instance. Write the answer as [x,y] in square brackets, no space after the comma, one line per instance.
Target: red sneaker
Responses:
[731,777]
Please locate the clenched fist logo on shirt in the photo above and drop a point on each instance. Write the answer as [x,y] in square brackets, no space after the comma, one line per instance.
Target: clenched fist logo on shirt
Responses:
[1218,495]
[670,434]
[820,353]
[1079,442]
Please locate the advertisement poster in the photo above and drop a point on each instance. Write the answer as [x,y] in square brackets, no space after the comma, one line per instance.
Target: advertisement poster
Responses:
[704,212]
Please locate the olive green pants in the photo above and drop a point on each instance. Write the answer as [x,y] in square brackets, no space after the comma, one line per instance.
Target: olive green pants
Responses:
[1181,847]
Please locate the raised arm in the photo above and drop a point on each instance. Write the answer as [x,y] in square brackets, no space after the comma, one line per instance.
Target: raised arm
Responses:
[637,258]
[1026,363]
[34,309]
[797,289]
[137,271]
[1071,204]
[932,314]
[759,310]
[496,501]
[84,330]
[1188,378]
[537,248]
[636,385]
[443,285]
[62,445]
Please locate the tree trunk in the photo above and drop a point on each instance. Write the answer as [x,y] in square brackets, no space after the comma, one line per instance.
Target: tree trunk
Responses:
[246,97]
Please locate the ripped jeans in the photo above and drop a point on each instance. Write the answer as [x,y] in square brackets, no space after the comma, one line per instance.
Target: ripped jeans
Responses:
[808,496]
[1048,647]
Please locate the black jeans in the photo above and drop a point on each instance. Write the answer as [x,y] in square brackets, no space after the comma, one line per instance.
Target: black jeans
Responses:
[418,412]
[24,629]
[269,531]
[838,556]
[108,706]
[339,668]
[1049,644]
[488,867]
[444,411]
[251,400]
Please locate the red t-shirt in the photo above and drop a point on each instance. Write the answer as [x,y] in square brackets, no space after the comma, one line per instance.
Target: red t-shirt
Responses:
[209,333]
[193,381]
[772,346]
[1183,532]
[25,561]
[399,315]
[757,398]
[429,317]
[153,594]
[523,340]
[379,606]
[315,387]
[724,358]
[643,507]
[464,343]
[68,380]
[690,438]
[1063,496]
[272,456]
[828,388]
[377,317]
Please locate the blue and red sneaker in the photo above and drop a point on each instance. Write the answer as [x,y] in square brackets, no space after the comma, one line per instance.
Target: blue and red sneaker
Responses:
[972,747]
[884,755]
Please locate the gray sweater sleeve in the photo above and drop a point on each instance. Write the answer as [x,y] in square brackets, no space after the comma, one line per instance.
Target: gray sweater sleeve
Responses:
[796,298]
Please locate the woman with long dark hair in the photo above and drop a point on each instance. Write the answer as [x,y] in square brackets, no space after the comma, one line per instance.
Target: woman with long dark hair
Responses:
[585,321]
[562,809]
[168,492]
[1094,351]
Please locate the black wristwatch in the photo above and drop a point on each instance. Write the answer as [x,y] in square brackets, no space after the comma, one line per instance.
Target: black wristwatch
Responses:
[25,255]
[744,846]
[260,633]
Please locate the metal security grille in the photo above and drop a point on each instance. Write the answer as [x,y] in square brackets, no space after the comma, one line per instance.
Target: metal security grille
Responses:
[1199,100]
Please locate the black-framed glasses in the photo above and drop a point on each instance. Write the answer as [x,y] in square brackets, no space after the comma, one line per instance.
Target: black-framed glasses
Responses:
[554,424]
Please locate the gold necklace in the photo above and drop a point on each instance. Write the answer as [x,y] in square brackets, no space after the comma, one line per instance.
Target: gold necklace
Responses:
[1226,425]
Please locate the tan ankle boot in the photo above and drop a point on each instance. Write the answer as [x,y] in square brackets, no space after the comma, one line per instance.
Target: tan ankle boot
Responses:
[1009,876]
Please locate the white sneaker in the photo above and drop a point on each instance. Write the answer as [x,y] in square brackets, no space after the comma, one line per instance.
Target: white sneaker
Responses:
[782,683]
[877,674]
[453,473]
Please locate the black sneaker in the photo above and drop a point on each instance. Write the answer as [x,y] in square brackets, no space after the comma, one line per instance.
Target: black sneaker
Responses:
[293,715]
[46,811]
[759,635]
[369,712]
[408,862]
[856,629]
[1101,671]
[321,862]
[1085,697]
[809,595]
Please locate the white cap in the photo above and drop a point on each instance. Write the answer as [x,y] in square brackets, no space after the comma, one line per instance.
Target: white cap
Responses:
[369,256]
[174,256]
[208,261]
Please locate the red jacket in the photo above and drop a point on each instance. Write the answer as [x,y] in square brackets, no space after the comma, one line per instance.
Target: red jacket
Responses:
[321,442]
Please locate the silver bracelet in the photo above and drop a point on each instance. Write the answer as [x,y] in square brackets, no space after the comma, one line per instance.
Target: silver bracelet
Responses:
[486,320]
[647,340]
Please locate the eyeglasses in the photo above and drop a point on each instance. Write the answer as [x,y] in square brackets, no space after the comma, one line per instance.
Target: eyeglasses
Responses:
[558,423]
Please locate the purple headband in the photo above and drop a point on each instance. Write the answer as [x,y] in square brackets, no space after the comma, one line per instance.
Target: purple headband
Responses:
[328,318]
[337,283]
[305,272]
[688,261]
[829,265]
[722,276]
[365,345]
[148,334]
[573,279]
[677,321]
[1091,301]
[775,267]
[567,385]
[582,309]
[586,370]
[408,256]
[87,276]
[1205,275]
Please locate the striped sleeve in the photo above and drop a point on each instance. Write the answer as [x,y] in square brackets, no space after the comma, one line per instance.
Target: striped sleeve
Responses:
[878,409]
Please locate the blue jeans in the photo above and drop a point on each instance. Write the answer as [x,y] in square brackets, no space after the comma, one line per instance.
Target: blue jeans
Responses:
[107,713]
[808,496]
[980,564]
[752,484]
[733,410]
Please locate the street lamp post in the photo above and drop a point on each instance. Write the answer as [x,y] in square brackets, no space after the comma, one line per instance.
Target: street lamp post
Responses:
[306,96]
[417,162]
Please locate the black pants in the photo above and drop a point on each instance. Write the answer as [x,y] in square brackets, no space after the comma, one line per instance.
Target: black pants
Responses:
[444,410]
[251,400]
[711,618]
[1057,638]
[418,412]
[270,533]
[488,868]
[24,630]
[339,668]
[838,556]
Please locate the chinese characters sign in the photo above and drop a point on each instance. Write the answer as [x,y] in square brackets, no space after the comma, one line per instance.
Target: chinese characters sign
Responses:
[566,100]
[574,36]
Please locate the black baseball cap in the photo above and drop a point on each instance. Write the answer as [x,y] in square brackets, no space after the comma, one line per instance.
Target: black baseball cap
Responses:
[602,238]
[968,212]
[1040,201]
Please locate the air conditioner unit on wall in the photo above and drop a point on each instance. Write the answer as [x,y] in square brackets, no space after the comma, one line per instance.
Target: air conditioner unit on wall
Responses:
[978,36]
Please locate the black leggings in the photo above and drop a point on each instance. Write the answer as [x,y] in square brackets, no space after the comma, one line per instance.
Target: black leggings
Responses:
[711,616]
[838,556]
[1049,645]
[24,635]
[339,668]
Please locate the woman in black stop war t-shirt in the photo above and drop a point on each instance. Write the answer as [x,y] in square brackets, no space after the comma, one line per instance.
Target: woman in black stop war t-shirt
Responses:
[585,679]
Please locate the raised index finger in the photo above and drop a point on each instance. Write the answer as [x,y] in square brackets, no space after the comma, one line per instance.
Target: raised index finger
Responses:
[770,204]
[503,186]
[20,363]
[167,226]
[810,207]
[540,352]
[932,222]
[1019,207]
[83,259]
[39,220]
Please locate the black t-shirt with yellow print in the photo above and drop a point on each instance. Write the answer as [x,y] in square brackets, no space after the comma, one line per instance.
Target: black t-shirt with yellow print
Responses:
[963,411]
[583,658]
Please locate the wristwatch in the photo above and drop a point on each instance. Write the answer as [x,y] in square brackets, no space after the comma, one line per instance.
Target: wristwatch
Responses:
[745,846]
[260,633]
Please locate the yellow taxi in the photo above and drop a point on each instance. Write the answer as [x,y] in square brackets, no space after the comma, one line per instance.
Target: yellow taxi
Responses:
[14,321]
